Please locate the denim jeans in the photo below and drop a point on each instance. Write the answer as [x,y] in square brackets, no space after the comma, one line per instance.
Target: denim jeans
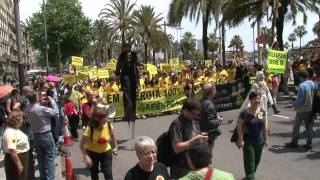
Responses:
[46,155]
[308,120]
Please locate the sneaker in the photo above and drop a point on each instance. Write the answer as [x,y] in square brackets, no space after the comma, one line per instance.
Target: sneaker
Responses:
[307,146]
[291,145]
[277,112]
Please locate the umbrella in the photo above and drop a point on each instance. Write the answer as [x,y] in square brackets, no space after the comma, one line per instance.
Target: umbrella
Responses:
[52,78]
[5,90]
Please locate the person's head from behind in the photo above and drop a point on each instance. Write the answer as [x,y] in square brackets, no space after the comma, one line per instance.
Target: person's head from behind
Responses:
[33,97]
[126,47]
[15,93]
[15,119]
[209,91]
[303,75]
[191,108]
[199,155]
[254,98]
[146,151]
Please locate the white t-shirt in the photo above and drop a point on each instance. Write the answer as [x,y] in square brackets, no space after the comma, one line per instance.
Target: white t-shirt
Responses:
[15,139]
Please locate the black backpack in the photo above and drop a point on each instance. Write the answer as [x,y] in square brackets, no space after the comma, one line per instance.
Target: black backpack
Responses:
[165,153]
[316,100]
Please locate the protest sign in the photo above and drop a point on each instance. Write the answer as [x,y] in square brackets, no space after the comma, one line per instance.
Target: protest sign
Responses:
[151,68]
[277,61]
[76,61]
[103,73]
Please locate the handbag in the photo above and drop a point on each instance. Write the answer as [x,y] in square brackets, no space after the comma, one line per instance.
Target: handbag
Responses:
[234,137]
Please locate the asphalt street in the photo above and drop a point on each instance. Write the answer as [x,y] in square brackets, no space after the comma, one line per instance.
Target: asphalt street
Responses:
[277,161]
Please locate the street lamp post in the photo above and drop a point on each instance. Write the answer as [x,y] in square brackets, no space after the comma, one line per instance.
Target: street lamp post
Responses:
[19,44]
[45,36]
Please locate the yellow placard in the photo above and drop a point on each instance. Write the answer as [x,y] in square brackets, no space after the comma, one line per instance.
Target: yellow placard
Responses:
[76,61]
[277,61]
[71,68]
[93,74]
[151,68]
[179,68]
[103,73]
[112,66]
[174,61]
[208,62]
[165,67]
[69,79]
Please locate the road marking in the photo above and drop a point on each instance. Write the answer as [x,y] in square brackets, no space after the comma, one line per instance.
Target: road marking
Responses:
[285,117]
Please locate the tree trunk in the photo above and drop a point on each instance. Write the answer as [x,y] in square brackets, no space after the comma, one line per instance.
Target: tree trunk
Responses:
[223,44]
[300,41]
[292,45]
[145,53]
[280,22]
[205,34]
[154,56]
[109,53]
[123,37]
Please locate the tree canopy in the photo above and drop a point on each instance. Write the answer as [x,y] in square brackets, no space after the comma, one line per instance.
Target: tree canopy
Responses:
[66,24]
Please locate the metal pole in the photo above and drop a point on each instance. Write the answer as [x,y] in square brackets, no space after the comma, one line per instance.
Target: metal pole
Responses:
[45,36]
[165,48]
[19,44]
[254,45]
[259,48]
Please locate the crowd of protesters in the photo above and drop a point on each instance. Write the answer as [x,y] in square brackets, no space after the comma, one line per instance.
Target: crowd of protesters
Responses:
[34,120]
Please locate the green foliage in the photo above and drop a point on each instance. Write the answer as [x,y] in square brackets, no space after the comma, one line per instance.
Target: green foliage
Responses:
[275,10]
[66,23]
[188,44]
[195,9]
[213,43]
[316,28]
[236,42]
[147,24]
[118,15]
[300,31]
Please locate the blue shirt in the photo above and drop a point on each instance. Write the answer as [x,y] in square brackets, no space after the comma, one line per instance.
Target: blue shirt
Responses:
[253,125]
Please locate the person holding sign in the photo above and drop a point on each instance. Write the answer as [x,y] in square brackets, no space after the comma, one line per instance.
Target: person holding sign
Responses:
[127,70]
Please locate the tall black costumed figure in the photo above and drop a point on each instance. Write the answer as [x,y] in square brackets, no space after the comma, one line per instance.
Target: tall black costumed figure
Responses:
[127,69]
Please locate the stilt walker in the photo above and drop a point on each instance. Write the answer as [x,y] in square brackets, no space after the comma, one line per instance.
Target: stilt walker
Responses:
[128,72]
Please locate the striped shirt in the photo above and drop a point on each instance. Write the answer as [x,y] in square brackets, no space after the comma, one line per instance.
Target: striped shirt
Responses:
[39,117]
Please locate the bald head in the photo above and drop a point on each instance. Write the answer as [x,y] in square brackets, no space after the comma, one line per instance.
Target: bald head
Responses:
[209,90]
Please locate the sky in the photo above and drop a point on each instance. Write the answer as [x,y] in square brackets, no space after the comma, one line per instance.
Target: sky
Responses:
[92,8]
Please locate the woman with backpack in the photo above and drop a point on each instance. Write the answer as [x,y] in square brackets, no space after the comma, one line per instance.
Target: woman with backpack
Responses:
[98,143]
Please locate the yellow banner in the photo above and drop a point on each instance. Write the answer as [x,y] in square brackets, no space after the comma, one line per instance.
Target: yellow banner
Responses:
[174,61]
[82,77]
[151,68]
[103,73]
[277,61]
[77,61]
[69,79]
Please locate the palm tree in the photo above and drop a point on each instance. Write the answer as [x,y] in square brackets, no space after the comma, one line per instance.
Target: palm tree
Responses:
[236,42]
[213,44]
[117,15]
[300,31]
[268,35]
[146,23]
[275,10]
[287,45]
[188,44]
[194,9]
[159,41]
[292,38]
[316,29]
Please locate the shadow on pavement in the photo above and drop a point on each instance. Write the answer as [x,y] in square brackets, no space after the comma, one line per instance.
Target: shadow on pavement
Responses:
[314,156]
[81,171]
[281,149]
[302,134]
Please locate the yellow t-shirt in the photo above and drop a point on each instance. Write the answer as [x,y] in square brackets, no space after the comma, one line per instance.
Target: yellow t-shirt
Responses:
[142,85]
[232,73]
[100,139]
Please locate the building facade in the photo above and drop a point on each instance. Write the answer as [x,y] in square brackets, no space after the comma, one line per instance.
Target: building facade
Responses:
[8,46]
